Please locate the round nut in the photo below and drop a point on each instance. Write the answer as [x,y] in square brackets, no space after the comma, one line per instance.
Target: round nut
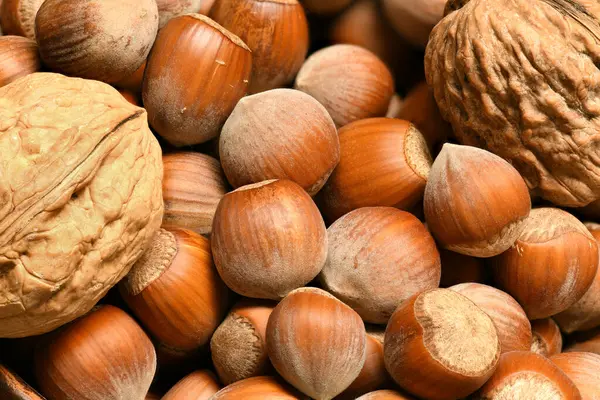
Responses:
[547,339]
[459,268]
[377,258]
[582,369]
[462,206]
[18,57]
[105,40]
[259,388]
[337,340]
[18,17]
[384,395]
[551,265]
[440,345]
[199,385]
[350,81]
[279,134]
[13,387]
[589,345]
[268,239]
[414,19]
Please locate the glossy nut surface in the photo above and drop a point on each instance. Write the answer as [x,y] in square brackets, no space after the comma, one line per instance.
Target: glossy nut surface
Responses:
[18,57]
[199,385]
[259,388]
[547,339]
[582,369]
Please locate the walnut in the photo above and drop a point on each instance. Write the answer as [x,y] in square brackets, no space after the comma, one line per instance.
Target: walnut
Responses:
[521,79]
[80,197]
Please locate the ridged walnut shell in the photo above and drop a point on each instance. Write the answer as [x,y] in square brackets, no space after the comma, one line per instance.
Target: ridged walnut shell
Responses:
[277,33]
[551,265]
[18,57]
[522,81]
[18,17]
[383,162]
[80,194]
[378,257]
[582,369]
[268,239]
[105,40]
[279,134]
[196,73]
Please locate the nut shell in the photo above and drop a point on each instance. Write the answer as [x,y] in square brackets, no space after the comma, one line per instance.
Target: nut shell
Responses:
[103,355]
[259,388]
[351,82]
[277,33]
[18,17]
[104,40]
[526,375]
[95,205]
[547,339]
[188,102]
[328,7]
[279,134]
[193,185]
[309,331]
[512,325]
[18,57]
[268,239]
[462,208]
[12,387]
[551,265]
[383,162]
[169,9]
[199,385]
[384,395]
[513,90]
[414,19]
[377,258]
[459,268]
[582,369]
[591,344]
[440,345]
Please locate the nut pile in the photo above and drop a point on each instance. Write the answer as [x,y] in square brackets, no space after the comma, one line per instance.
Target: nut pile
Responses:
[299,199]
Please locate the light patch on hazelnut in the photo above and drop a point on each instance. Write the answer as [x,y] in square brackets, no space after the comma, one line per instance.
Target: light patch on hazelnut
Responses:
[457,333]
[417,152]
[526,385]
[153,263]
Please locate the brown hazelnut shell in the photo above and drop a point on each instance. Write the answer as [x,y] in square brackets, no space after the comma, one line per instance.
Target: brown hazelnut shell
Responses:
[582,369]
[351,82]
[551,265]
[259,388]
[196,73]
[276,32]
[547,339]
[102,355]
[279,134]
[134,81]
[384,395]
[590,343]
[18,57]
[462,206]
[193,185]
[377,258]
[526,375]
[18,17]
[439,345]
[414,19]
[12,387]
[310,330]
[199,385]
[238,346]
[174,289]
[268,239]
[459,268]
[512,325]
[105,40]
[383,162]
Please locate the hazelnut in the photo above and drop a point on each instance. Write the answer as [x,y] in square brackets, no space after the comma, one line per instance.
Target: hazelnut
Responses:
[512,325]
[268,239]
[193,185]
[328,7]
[277,34]
[383,162]
[169,9]
[373,374]
[526,375]
[134,81]
[377,258]
[440,345]
[12,387]
[547,339]
[311,331]
[458,268]
[419,107]
[462,206]
[259,388]
[102,355]
[238,346]
[199,385]
[551,265]
[590,344]
[174,289]
[130,97]
[105,40]
[152,396]
[18,17]
[582,369]
[350,81]
[585,313]
[188,102]
[414,19]
[279,134]
[18,57]
[384,395]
